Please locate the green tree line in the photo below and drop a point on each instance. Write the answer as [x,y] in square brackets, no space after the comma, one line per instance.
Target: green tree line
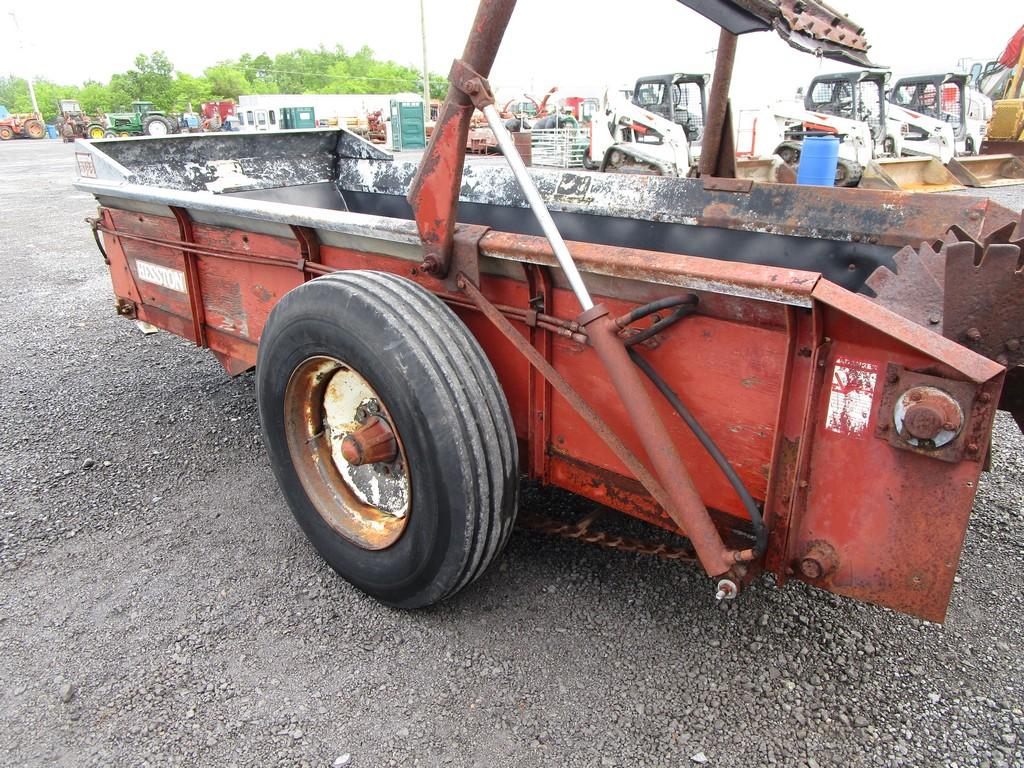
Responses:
[154,78]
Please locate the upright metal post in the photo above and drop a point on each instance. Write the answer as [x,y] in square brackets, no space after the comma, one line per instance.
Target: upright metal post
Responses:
[434,194]
[718,103]
[426,70]
[28,75]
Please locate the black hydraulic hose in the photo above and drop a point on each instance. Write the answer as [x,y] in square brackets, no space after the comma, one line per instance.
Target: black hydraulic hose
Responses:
[669,302]
[760,531]
[655,328]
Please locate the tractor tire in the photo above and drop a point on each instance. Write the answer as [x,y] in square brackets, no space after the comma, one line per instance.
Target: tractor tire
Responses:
[848,173]
[789,151]
[157,125]
[97,131]
[108,134]
[361,348]
[33,129]
[6,133]
[588,162]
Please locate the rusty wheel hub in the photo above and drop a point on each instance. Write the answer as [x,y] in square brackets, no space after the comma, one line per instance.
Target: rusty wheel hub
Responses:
[347,453]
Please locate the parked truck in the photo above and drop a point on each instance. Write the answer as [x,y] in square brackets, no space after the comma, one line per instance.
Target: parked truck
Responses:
[782,376]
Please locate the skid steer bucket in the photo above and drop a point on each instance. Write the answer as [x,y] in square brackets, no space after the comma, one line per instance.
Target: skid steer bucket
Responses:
[988,170]
[910,174]
[765,169]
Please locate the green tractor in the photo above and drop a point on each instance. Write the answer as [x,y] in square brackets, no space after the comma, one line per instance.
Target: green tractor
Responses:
[143,121]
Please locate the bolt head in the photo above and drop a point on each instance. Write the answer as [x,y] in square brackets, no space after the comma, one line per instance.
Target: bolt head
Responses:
[811,568]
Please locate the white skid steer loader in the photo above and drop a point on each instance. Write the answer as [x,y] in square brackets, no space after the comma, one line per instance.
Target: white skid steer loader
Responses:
[948,97]
[881,146]
[656,131]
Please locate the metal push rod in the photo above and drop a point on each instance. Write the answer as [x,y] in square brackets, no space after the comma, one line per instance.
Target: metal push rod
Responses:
[540,210]
[685,505]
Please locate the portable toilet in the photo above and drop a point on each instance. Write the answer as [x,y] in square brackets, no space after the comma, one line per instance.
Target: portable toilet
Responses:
[408,130]
[298,117]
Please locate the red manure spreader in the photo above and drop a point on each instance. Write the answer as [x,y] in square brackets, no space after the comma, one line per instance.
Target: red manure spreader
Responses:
[799,381]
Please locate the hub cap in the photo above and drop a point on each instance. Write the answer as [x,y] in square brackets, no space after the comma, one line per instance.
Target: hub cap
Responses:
[366,502]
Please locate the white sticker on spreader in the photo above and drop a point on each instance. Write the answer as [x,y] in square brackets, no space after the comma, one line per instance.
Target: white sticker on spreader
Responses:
[165,277]
[853,393]
[86,167]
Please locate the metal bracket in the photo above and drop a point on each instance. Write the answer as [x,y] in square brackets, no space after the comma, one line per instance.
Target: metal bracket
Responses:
[465,255]
[195,296]
[472,83]
[718,184]
[126,308]
[977,403]
[309,248]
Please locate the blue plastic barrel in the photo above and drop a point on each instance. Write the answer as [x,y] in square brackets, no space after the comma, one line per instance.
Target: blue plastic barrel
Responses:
[819,158]
[51,131]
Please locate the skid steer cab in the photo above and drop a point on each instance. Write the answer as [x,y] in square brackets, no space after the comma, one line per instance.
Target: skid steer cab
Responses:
[657,129]
[946,96]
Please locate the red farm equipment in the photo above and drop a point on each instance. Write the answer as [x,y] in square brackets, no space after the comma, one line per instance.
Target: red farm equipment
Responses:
[798,381]
[215,113]
[23,126]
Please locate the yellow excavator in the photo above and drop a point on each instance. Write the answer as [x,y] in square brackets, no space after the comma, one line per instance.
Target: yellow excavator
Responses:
[1003,82]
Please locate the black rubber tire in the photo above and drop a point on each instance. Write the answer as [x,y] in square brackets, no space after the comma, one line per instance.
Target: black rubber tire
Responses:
[6,133]
[448,409]
[588,163]
[848,173]
[153,119]
[33,129]
[790,152]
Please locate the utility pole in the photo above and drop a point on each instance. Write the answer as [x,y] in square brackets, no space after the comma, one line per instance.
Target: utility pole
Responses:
[426,71]
[28,77]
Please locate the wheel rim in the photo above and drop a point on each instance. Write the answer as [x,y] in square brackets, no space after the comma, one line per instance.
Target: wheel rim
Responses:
[325,402]
[97,133]
[156,128]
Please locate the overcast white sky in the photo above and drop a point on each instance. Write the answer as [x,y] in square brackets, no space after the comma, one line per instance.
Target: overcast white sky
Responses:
[580,45]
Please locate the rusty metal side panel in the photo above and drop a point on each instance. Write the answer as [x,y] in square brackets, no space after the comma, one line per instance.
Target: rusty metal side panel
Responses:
[877,522]
[730,374]
[238,295]
[153,275]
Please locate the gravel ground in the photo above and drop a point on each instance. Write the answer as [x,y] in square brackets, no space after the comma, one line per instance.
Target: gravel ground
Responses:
[158,606]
